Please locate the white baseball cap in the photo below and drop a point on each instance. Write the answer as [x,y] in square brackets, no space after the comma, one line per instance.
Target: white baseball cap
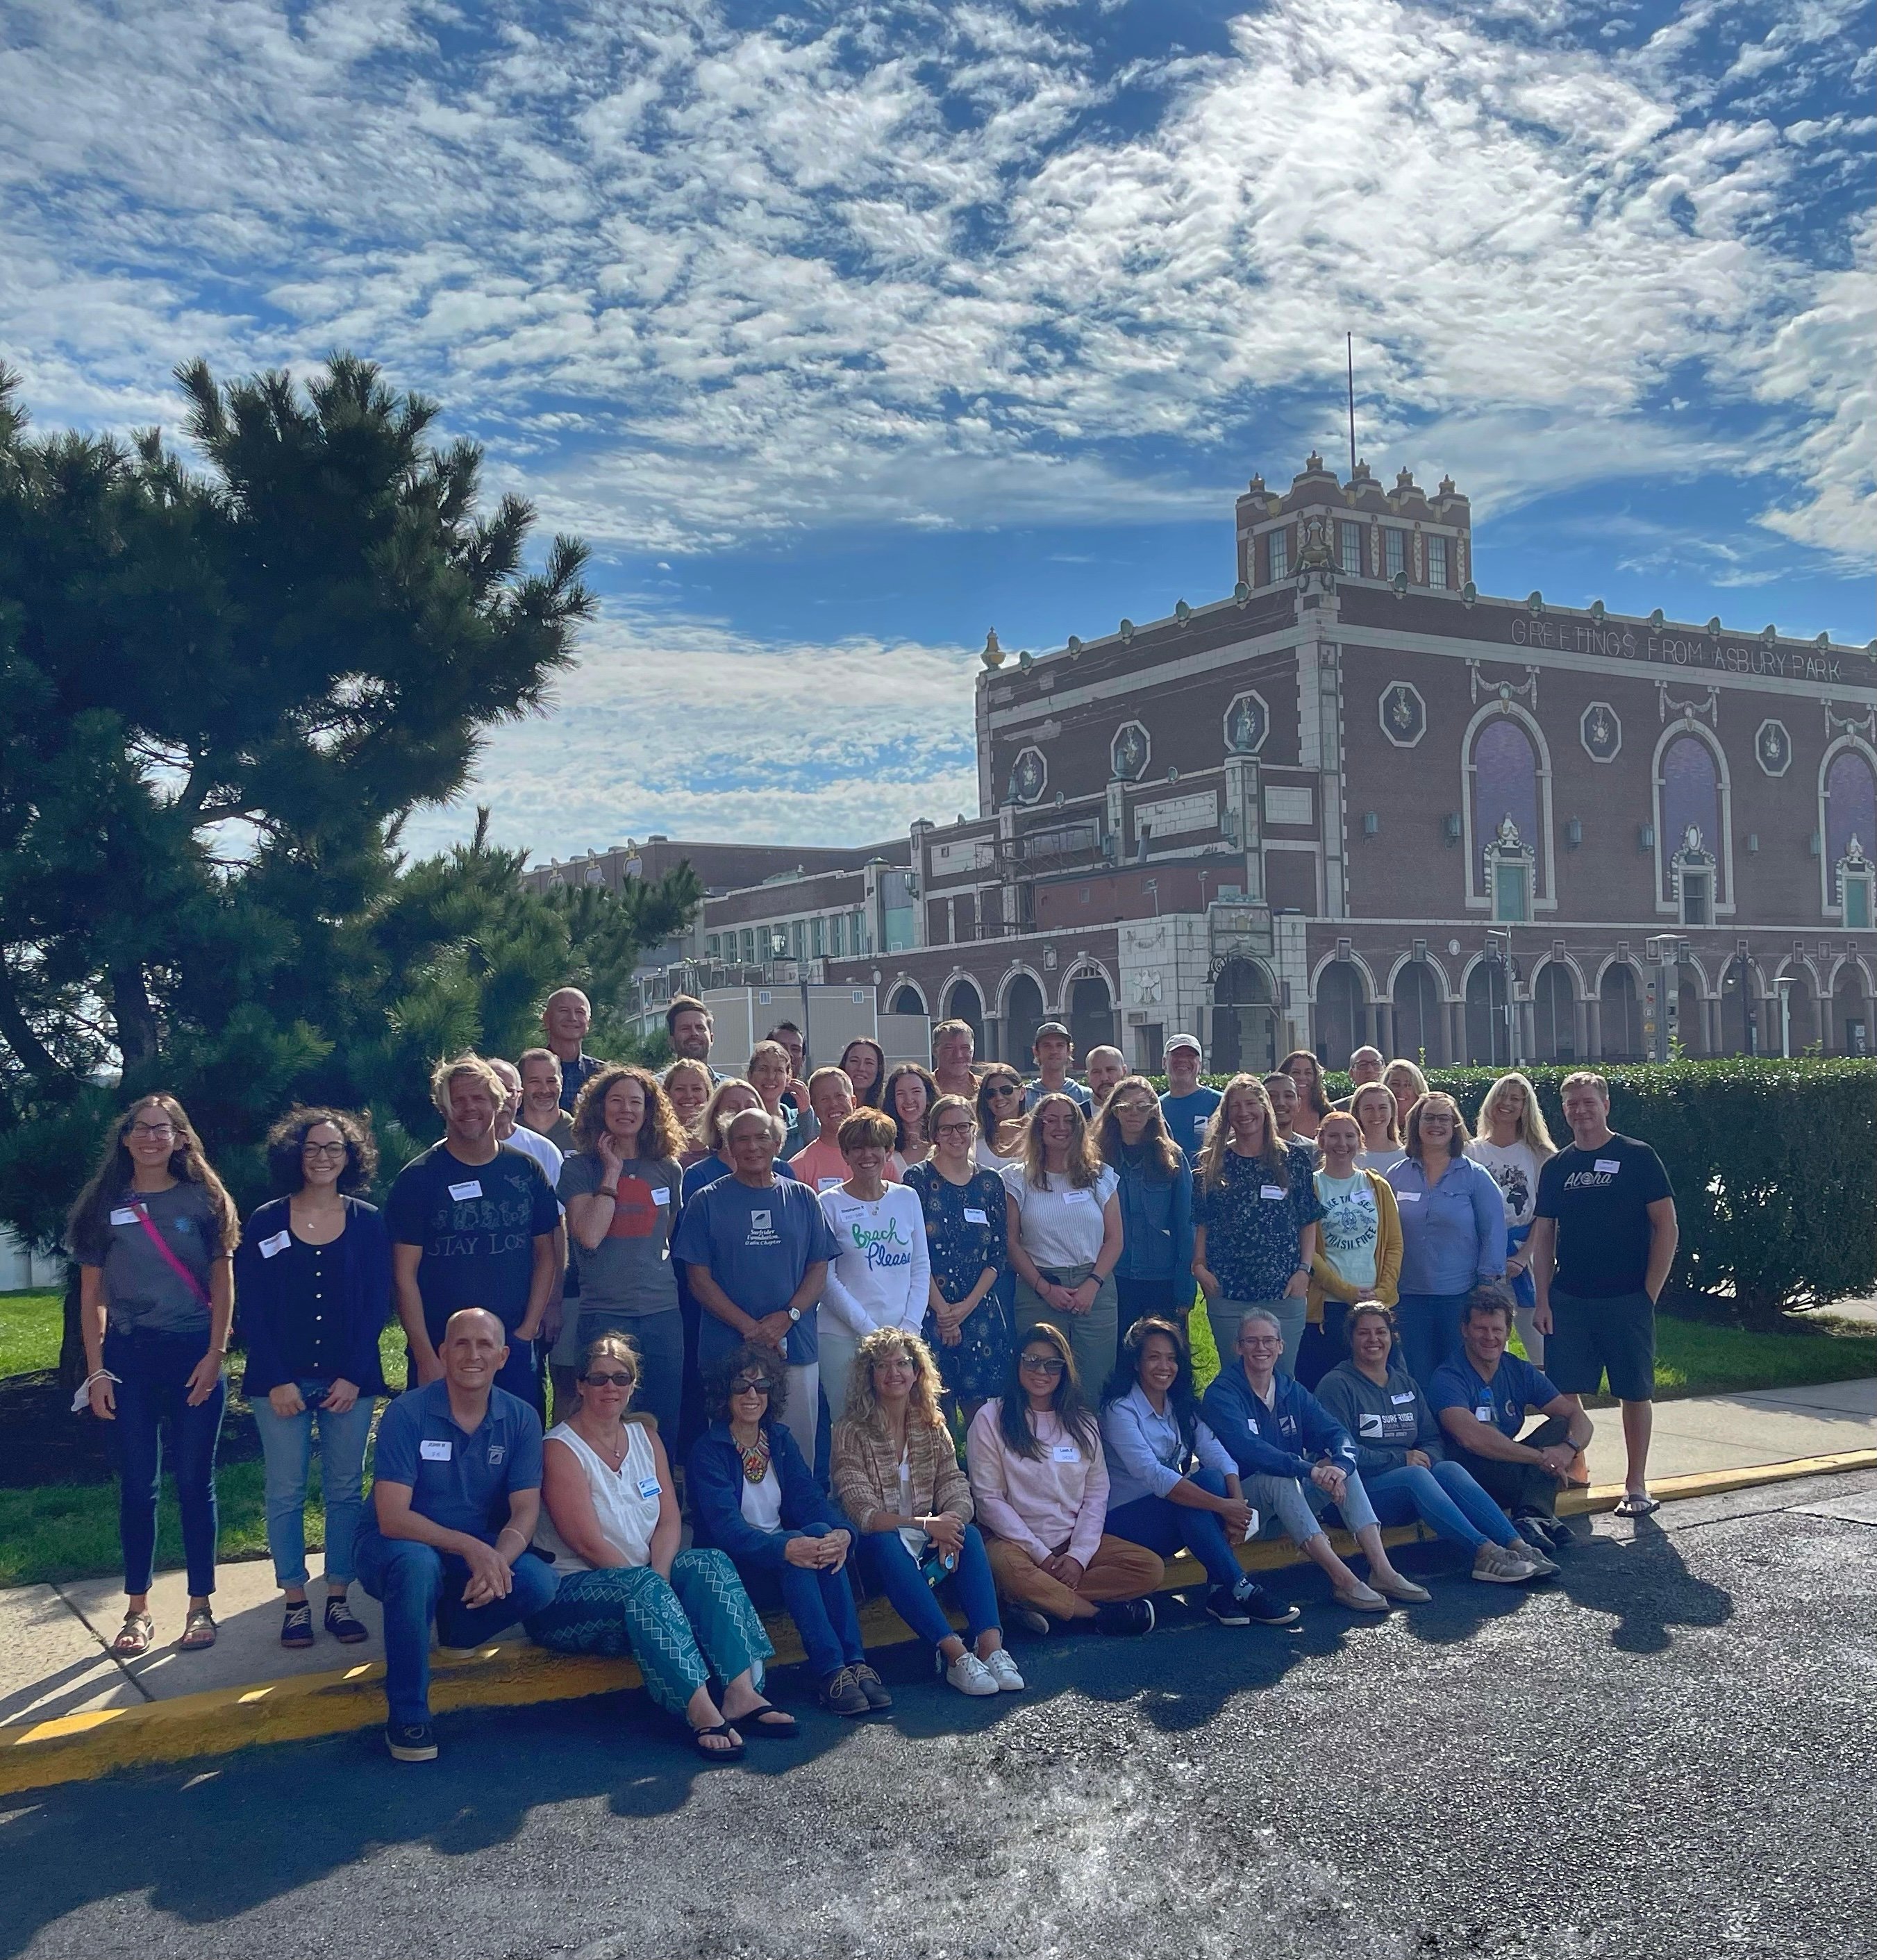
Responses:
[1184,1041]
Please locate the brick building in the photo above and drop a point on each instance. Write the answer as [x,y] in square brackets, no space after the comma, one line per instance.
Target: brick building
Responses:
[1358,800]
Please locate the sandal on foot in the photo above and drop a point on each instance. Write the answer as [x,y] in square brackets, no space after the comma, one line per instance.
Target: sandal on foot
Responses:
[700,1742]
[342,1623]
[1637,1504]
[766,1719]
[134,1637]
[199,1631]
[296,1630]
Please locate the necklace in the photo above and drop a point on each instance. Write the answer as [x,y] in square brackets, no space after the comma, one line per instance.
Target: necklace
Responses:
[613,1457]
[755,1458]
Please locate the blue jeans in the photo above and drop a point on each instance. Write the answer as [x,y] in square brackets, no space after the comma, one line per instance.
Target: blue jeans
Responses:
[153,1370]
[1295,1503]
[891,1567]
[287,1446]
[416,1584]
[1428,1324]
[1164,1527]
[660,1340]
[821,1604]
[1446,1498]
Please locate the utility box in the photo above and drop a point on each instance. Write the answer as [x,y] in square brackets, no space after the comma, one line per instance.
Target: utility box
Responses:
[829,1017]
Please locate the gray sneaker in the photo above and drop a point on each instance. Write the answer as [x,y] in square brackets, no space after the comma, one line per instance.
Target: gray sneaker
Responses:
[1543,1566]
[1500,1565]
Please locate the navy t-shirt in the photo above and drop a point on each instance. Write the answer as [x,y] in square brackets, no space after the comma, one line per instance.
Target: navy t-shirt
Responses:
[1516,1392]
[758,1243]
[1187,1117]
[477,1224]
[1601,1200]
[462,1482]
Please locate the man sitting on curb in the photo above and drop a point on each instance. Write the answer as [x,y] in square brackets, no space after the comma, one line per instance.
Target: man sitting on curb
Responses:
[452,1458]
[1482,1398]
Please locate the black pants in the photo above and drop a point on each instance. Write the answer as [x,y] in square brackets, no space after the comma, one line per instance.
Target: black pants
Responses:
[1521,1490]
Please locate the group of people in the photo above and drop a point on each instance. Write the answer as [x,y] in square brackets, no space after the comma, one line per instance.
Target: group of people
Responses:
[804,1289]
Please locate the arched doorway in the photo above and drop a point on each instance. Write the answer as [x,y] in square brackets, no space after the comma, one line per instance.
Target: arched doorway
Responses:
[1553,1015]
[1622,1015]
[1850,1014]
[1418,1019]
[1690,1011]
[1091,1014]
[1742,1028]
[1023,1012]
[1244,1020]
[965,1003]
[1339,1012]
[1489,1027]
[906,999]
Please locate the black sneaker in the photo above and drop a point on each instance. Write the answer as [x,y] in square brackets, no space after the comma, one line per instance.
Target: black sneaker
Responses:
[1125,1616]
[414,1743]
[1548,1533]
[1263,1608]
[871,1686]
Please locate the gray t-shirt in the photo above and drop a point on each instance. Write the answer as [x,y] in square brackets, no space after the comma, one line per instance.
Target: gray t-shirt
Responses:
[141,1287]
[630,1272]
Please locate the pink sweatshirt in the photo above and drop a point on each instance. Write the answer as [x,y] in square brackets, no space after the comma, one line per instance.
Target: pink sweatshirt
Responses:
[1037,1502]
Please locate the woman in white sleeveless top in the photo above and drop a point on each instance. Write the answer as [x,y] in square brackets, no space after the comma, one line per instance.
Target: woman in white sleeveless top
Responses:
[610,1523]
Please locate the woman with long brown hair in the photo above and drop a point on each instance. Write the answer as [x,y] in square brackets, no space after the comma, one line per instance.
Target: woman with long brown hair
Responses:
[1313,1102]
[1000,1117]
[909,1093]
[154,1233]
[1154,1275]
[863,1061]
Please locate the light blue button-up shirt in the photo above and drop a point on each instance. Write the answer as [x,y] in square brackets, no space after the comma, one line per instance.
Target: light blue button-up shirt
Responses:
[1453,1233]
[1145,1455]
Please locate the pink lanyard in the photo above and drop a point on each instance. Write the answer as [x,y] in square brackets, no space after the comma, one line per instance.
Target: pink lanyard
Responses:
[169,1259]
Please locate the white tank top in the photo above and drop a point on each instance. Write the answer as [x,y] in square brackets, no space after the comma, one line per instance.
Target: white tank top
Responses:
[625,1502]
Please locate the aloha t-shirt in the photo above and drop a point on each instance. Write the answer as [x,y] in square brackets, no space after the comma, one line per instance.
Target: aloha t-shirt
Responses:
[477,1224]
[630,1272]
[758,1242]
[1350,1226]
[1601,1200]
[1515,1169]
[1516,1392]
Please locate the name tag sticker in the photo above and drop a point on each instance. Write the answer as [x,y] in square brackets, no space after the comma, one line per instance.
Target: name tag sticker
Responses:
[1399,1400]
[974,1216]
[1407,1197]
[1483,1413]
[1608,1166]
[827,1184]
[660,1194]
[272,1248]
[437,1451]
[1064,1453]
[1078,1198]
[462,1193]
[648,1486]
[1273,1191]
[125,1214]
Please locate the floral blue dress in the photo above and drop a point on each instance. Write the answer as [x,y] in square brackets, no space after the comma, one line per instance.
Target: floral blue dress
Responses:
[964,1229]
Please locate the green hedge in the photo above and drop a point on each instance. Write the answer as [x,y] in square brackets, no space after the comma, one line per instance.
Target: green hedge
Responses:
[1774,1165]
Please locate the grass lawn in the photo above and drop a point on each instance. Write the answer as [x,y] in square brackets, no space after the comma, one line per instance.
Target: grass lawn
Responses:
[69,1531]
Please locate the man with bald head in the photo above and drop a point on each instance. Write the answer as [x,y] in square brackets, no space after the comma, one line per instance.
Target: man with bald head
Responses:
[1103,1067]
[453,1512]
[564,1020]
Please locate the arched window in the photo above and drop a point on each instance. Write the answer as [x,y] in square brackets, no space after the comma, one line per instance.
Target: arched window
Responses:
[1850,836]
[1489,1024]
[1023,1013]
[1339,1012]
[1244,1019]
[1420,1019]
[1506,828]
[1091,1014]
[1554,1015]
[1691,828]
[906,1000]
[1622,1015]
[967,1005]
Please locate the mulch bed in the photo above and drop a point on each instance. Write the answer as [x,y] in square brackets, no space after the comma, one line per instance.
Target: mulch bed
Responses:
[42,1442]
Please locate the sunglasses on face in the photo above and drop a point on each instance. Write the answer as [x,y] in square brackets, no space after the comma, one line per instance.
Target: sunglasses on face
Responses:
[611,1381]
[1001,1088]
[752,1388]
[1043,1364]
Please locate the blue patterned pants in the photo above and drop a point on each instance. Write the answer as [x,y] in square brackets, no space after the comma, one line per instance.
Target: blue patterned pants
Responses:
[681,1634]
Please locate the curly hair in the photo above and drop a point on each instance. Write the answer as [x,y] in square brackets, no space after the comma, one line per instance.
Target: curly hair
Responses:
[660,1134]
[287,1167]
[1015,1422]
[748,1358]
[890,1101]
[88,1227]
[1085,1167]
[1211,1169]
[863,1406]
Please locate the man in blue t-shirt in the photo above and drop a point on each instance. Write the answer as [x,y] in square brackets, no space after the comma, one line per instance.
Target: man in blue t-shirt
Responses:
[755,1249]
[454,1506]
[1054,1051]
[1483,1398]
[1188,1104]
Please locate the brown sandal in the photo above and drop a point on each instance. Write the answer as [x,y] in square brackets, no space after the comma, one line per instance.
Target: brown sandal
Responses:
[134,1637]
[199,1631]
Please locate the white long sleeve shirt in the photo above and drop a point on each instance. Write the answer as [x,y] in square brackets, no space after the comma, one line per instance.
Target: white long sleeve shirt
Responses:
[882,1277]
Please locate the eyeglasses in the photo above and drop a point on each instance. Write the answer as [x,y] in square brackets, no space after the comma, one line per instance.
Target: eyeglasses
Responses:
[955,1129]
[322,1150]
[1042,1364]
[153,1131]
[612,1381]
[1131,1109]
[753,1384]
[1261,1341]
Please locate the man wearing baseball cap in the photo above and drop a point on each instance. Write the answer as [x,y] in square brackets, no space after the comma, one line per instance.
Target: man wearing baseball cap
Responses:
[1188,1104]
[1053,1052]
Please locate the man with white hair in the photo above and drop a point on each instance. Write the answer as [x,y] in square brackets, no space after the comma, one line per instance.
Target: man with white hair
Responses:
[564,1020]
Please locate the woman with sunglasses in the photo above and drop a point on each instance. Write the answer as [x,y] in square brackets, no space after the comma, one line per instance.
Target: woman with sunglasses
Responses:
[1154,1275]
[1000,1118]
[610,1527]
[752,1496]
[967,1320]
[1039,1485]
[314,1273]
[154,1233]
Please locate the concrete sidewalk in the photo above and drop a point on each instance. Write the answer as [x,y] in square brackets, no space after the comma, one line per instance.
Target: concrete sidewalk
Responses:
[53,1664]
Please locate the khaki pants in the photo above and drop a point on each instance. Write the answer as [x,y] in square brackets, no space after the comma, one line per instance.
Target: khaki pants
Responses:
[1120,1570]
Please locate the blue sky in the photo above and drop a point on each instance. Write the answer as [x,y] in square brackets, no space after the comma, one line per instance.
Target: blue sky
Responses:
[846,331]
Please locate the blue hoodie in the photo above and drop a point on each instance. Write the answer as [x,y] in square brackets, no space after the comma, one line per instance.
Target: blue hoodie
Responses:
[1288,1440]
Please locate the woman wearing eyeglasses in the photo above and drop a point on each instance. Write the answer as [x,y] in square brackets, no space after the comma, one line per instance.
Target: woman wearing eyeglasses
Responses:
[314,1274]
[1154,1276]
[968,1321]
[154,1233]
[609,1526]
[752,1496]
[1000,1118]
[1453,1232]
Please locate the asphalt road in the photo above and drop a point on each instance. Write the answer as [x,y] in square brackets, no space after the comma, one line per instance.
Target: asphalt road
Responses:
[1670,1753]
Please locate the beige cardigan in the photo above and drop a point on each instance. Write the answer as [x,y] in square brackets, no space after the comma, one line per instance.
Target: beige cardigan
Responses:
[865,1470]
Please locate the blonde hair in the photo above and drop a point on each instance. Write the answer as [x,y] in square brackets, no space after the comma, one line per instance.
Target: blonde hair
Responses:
[1387,1094]
[1533,1131]
[1414,1075]
[863,1405]
[1085,1166]
[711,1136]
[446,1072]
[689,1065]
[769,1050]
[1211,1170]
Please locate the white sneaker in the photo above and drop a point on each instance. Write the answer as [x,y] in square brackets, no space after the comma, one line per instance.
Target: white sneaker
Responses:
[1003,1670]
[969,1675]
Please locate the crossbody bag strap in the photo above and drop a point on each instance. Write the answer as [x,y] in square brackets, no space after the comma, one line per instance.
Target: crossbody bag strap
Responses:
[168,1258]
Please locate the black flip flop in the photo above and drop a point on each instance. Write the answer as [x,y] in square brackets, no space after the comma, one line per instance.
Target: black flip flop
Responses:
[731,1755]
[750,1724]
[1637,1504]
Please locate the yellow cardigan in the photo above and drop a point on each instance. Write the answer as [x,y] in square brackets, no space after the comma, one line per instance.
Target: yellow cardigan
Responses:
[1326,1283]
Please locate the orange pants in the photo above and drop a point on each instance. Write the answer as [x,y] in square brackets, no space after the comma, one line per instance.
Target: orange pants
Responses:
[1120,1570]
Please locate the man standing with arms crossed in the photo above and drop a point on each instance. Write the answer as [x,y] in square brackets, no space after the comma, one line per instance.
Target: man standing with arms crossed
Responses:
[1602,1242]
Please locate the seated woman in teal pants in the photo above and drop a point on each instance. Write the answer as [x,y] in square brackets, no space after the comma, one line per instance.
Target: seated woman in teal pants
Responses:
[610,1524]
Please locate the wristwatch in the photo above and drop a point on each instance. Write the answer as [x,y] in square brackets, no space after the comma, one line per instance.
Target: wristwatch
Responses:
[794,1313]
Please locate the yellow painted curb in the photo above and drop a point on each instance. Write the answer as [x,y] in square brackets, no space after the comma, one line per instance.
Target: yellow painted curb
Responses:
[508,1674]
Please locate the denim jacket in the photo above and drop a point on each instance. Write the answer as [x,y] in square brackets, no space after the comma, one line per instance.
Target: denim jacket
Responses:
[1156,1222]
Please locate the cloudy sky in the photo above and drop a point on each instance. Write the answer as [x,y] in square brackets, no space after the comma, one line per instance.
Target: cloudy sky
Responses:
[846,331]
